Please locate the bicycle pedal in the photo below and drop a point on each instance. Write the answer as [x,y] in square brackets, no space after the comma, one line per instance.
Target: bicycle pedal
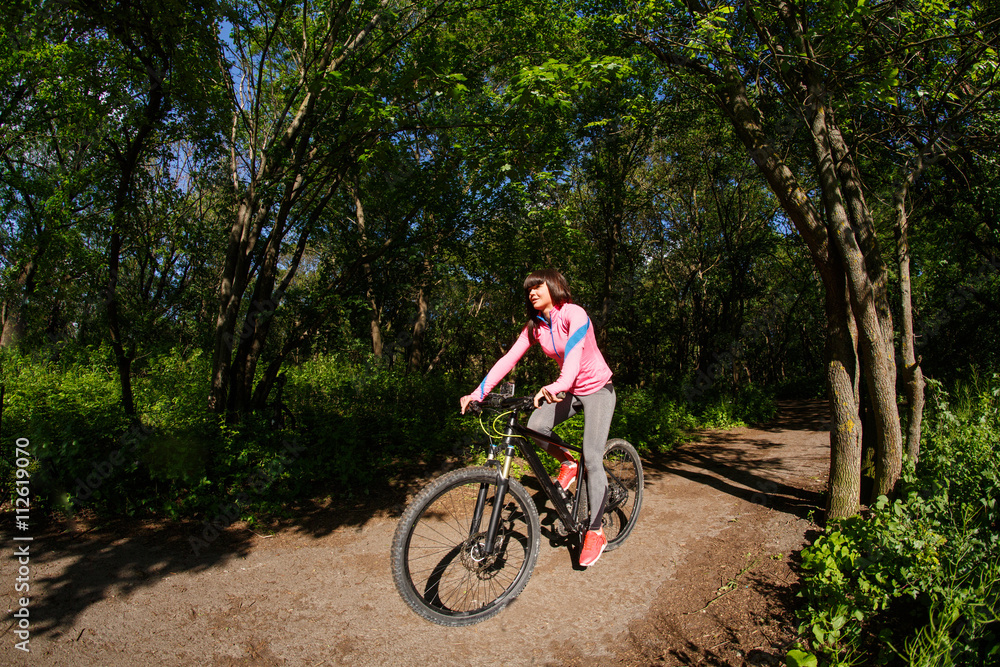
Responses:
[560,528]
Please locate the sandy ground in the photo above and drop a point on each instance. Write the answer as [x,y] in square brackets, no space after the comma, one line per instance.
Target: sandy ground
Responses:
[706,578]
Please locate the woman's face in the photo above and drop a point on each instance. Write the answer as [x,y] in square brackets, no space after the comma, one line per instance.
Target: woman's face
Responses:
[540,298]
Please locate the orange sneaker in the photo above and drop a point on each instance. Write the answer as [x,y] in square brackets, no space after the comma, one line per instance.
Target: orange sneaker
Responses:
[567,474]
[594,543]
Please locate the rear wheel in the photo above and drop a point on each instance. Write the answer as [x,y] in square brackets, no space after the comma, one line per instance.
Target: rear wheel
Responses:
[624,469]
[439,561]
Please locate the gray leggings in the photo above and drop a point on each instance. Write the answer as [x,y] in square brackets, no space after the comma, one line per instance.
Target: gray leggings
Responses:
[598,409]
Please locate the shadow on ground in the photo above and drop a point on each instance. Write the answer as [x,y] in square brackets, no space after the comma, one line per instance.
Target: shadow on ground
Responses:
[750,474]
[102,558]
[113,559]
[116,558]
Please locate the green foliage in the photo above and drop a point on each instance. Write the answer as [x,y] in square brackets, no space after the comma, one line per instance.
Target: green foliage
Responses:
[655,422]
[361,423]
[171,395]
[361,427]
[797,658]
[928,561]
[70,412]
[728,409]
[960,449]
[651,421]
[357,426]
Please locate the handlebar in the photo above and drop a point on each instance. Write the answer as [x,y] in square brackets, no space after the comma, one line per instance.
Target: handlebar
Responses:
[514,403]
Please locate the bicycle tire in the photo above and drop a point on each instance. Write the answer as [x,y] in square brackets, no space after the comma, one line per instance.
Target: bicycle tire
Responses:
[434,562]
[625,483]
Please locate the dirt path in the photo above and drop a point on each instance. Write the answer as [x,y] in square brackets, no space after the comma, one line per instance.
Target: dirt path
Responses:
[719,520]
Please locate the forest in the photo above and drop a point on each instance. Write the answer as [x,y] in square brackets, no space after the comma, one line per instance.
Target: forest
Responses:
[258,249]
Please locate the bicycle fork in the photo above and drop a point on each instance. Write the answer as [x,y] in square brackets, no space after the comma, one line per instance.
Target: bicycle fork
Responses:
[499,498]
[510,443]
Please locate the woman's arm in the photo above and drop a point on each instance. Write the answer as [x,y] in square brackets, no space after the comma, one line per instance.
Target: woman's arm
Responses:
[500,369]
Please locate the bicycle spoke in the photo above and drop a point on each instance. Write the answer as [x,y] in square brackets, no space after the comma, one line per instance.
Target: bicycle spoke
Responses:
[624,470]
[446,564]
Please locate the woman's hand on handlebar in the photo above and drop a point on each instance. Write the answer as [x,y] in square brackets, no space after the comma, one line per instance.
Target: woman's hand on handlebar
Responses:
[509,403]
[544,395]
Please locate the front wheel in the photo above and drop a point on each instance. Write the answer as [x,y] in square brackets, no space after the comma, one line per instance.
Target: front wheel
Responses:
[439,560]
[624,469]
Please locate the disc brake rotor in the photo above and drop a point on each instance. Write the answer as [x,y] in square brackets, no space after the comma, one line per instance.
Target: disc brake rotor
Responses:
[476,560]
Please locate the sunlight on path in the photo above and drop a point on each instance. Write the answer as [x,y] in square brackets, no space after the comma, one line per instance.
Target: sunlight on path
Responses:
[300,600]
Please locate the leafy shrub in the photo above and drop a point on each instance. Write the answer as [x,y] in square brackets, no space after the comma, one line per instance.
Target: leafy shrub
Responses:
[359,427]
[171,394]
[71,414]
[929,560]
[360,423]
[649,420]
[730,408]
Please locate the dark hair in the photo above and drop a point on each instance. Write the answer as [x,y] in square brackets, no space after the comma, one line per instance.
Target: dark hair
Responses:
[558,290]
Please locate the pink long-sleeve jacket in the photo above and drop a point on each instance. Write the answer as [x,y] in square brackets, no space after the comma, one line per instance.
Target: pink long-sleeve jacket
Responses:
[568,337]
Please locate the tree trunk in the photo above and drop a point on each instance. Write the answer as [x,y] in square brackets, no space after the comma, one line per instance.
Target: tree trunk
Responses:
[419,329]
[842,377]
[266,297]
[15,320]
[232,286]
[376,329]
[853,231]
[612,241]
[123,359]
[913,377]
[834,258]
[283,156]
[378,345]
[244,235]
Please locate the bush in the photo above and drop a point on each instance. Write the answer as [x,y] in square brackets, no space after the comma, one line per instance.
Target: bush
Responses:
[71,413]
[360,424]
[928,561]
[747,405]
[359,427]
[356,427]
[651,421]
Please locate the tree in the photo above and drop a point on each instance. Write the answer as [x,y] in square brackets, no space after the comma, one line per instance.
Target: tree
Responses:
[45,176]
[318,94]
[813,67]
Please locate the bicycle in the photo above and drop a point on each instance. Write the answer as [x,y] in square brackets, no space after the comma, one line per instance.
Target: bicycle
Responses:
[466,546]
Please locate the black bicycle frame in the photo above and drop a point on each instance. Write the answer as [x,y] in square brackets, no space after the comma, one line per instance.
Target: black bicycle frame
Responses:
[519,437]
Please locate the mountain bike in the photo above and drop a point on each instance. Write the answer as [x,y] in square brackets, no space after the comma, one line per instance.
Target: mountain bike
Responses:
[466,546]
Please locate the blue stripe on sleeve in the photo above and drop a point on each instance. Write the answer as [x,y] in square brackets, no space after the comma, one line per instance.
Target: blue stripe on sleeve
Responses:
[577,337]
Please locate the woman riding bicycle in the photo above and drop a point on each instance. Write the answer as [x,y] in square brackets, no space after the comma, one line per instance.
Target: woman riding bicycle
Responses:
[565,334]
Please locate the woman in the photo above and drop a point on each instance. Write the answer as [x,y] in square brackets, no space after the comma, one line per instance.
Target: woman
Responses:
[564,332]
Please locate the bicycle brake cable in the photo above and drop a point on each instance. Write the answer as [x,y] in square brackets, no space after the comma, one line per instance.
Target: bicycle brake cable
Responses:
[497,433]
